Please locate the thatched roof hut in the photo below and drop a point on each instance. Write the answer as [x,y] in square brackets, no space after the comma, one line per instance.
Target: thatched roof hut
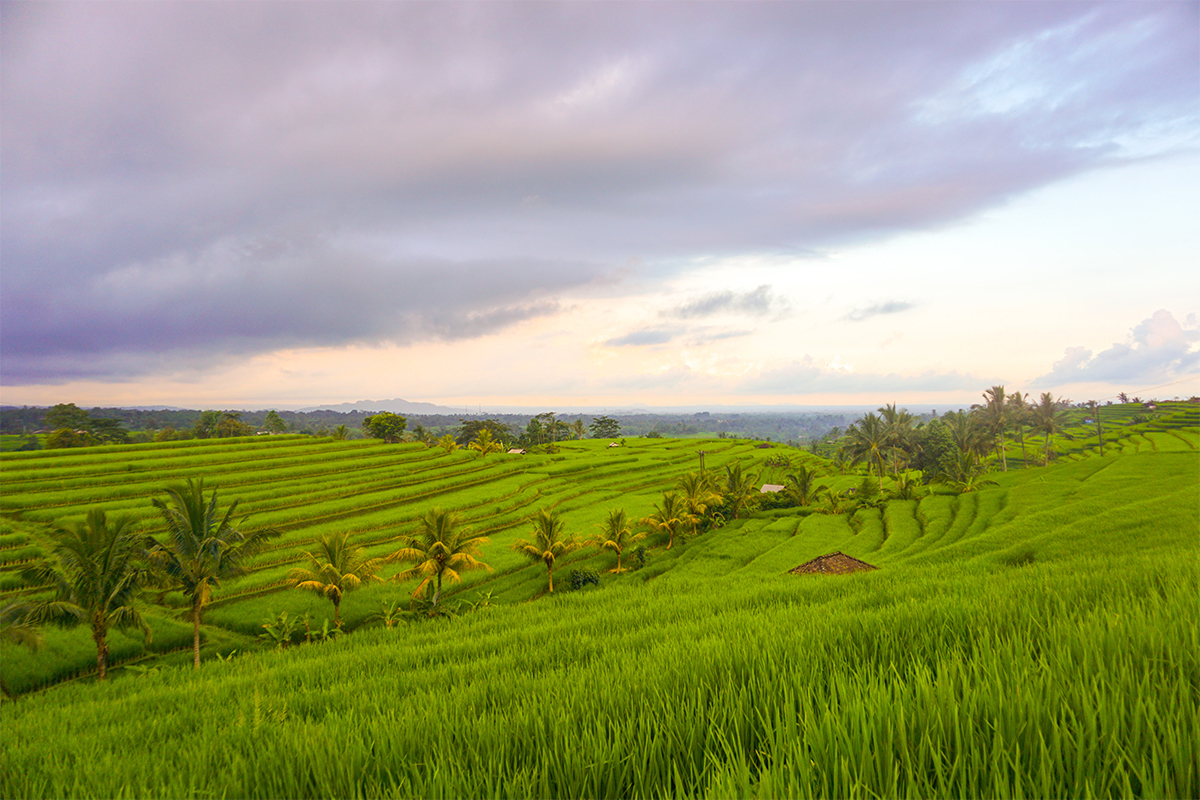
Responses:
[837,563]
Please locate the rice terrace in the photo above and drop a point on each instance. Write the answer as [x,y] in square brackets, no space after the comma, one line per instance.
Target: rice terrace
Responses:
[1031,627]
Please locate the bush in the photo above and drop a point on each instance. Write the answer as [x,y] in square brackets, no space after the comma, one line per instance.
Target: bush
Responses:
[586,577]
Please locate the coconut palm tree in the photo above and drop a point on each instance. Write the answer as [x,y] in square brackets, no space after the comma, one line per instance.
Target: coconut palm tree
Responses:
[669,515]
[447,443]
[95,569]
[203,547]
[1019,416]
[802,487]
[1048,418]
[549,542]
[441,551]
[616,534]
[995,414]
[868,441]
[485,443]
[699,495]
[739,489]
[338,567]
[900,434]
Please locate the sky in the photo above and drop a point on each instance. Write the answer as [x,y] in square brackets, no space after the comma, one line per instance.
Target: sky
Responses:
[619,204]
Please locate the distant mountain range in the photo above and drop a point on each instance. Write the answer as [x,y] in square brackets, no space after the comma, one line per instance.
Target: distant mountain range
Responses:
[395,405]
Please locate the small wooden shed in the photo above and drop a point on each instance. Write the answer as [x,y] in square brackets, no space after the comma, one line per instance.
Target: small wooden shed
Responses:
[836,563]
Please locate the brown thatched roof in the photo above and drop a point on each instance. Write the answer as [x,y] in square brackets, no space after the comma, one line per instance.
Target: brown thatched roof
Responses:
[833,564]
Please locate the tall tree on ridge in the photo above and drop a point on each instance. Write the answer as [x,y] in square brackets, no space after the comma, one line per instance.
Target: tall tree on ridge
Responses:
[1047,420]
[617,534]
[995,413]
[549,542]
[203,547]
[868,441]
[440,551]
[95,569]
[338,567]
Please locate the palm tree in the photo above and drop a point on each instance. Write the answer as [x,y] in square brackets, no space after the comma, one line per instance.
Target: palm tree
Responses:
[1048,417]
[484,443]
[669,515]
[995,414]
[549,542]
[578,428]
[447,443]
[699,495]
[441,551]
[340,433]
[1019,415]
[616,534]
[338,567]
[95,570]
[739,488]
[802,487]
[900,438]
[868,441]
[203,547]
[965,432]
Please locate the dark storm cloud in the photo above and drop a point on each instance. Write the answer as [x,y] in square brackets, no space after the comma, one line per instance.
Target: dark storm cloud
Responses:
[210,179]
[891,307]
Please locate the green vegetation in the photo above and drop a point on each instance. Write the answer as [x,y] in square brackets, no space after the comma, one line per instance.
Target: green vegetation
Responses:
[1034,636]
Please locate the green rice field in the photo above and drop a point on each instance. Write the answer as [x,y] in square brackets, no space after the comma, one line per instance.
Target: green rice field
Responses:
[1039,637]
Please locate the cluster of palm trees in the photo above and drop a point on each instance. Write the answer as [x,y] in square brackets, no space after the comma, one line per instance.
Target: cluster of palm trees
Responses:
[953,448]
[98,569]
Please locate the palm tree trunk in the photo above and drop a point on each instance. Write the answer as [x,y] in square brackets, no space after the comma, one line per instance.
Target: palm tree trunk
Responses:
[101,650]
[196,631]
[337,612]
[438,594]
[550,574]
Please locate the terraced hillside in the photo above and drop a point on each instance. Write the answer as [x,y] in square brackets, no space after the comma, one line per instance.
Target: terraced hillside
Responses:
[1038,637]
[306,488]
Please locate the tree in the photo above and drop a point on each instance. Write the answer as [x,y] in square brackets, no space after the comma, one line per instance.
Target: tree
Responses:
[231,424]
[901,439]
[549,542]
[206,424]
[484,444]
[1048,418]
[203,547]
[95,569]
[108,431]
[441,551]
[616,534]
[868,441]
[69,437]
[668,516]
[699,495]
[995,415]
[447,443]
[802,487]
[385,425]
[341,433]
[604,428]
[470,429]
[578,429]
[1019,416]
[274,423]
[338,567]
[739,489]
[67,415]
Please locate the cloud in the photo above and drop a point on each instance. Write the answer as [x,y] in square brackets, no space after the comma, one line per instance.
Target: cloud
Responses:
[643,337]
[806,376]
[756,303]
[1157,349]
[179,185]
[892,307]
